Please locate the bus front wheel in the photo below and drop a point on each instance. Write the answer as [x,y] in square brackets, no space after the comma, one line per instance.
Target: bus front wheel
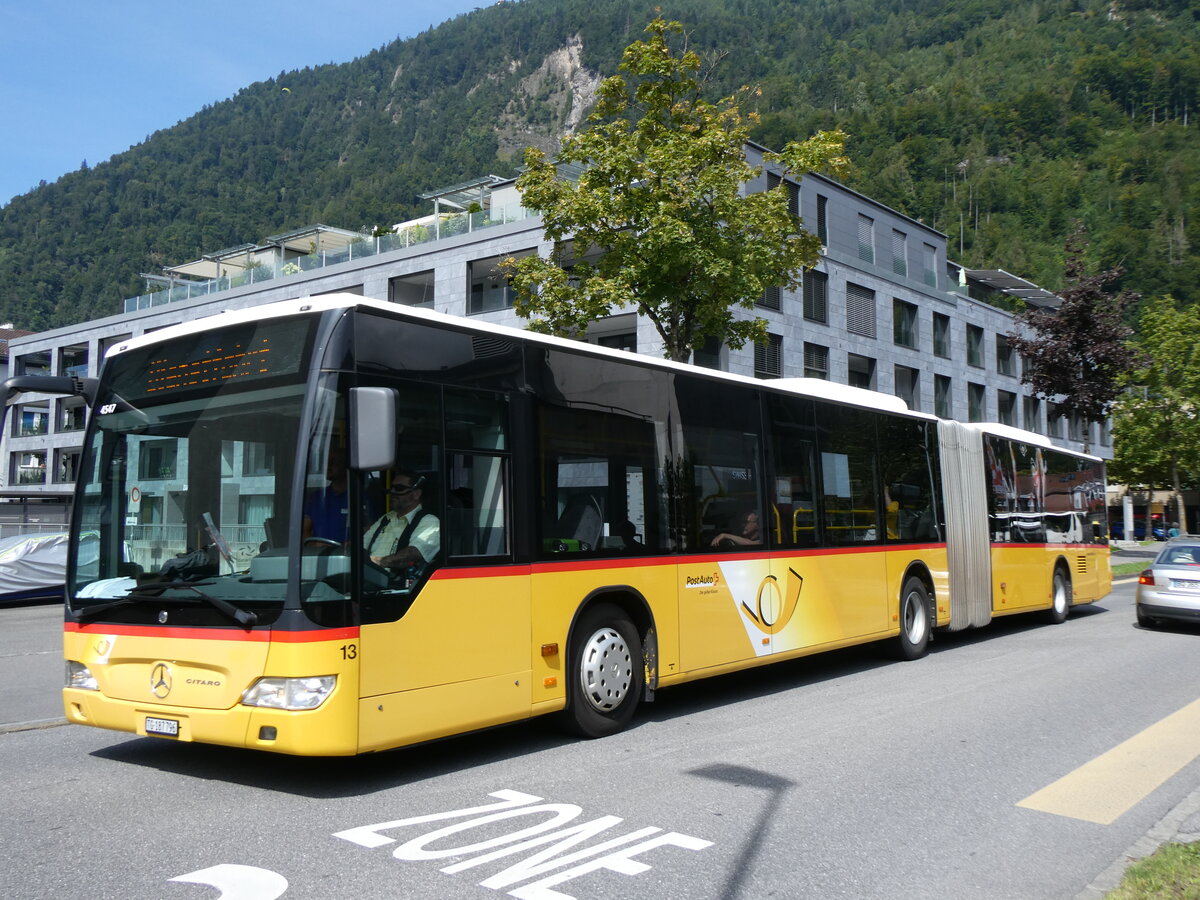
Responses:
[915,620]
[605,672]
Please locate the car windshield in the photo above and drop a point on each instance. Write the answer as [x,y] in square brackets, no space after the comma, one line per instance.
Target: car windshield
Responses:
[187,471]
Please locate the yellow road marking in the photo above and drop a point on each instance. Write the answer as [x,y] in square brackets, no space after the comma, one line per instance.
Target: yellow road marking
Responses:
[1102,790]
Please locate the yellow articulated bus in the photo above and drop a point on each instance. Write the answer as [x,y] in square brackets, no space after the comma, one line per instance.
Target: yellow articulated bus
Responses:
[334,526]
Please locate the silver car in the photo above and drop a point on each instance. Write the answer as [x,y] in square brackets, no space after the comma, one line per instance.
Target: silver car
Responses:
[1170,588]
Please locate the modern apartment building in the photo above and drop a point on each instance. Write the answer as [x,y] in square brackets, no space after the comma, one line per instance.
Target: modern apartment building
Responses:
[884,309]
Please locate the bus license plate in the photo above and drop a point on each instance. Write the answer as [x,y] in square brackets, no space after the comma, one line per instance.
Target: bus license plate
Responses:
[166,727]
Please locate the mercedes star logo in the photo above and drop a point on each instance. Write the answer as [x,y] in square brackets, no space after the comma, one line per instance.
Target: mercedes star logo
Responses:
[160,681]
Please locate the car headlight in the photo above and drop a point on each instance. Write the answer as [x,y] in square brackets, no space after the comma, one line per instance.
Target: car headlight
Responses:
[290,693]
[80,676]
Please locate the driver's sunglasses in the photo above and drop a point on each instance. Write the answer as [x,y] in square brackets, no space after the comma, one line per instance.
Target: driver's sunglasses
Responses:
[402,489]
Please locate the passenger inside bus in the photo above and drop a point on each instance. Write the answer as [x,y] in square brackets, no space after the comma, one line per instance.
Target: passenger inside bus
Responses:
[407,536]
[747,534]
[327,509]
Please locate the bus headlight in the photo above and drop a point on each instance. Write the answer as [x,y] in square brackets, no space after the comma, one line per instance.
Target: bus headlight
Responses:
[80,676]
[290,693]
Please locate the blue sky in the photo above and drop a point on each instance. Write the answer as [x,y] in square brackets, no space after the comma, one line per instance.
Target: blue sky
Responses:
[87,80]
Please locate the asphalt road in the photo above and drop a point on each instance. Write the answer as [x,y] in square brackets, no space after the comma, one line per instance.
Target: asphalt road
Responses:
[835,776]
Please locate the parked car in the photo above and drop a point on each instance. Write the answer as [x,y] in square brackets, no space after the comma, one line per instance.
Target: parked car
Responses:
[1170,588]
[1117,530]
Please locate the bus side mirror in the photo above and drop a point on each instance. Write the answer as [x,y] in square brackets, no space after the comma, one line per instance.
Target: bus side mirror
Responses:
[372,428]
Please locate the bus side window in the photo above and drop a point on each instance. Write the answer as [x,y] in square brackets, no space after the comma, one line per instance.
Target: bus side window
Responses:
[848,476]
[476,507]
[477,474]
[793,514]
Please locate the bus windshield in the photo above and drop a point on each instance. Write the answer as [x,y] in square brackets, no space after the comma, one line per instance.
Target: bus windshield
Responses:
[187,471]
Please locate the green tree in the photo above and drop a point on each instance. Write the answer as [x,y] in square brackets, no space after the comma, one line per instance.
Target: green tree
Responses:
[659,219]
[1076,355]
[1156,424]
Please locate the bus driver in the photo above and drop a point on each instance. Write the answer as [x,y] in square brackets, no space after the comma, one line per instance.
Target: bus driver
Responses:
[407,535]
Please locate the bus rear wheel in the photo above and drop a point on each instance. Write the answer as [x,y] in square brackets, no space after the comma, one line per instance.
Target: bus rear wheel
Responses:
[916,623]
[1060,598]
[605,672]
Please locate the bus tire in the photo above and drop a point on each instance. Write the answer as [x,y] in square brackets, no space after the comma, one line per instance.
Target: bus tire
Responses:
[916,623]
[1060,598]
[605,672]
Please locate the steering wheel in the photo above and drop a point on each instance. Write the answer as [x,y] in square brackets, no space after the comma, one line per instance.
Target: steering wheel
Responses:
[324,542]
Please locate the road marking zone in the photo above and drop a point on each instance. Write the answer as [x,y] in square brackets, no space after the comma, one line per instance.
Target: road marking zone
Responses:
[1102,790]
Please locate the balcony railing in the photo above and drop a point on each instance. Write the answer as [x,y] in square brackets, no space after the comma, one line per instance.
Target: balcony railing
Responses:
[409,235]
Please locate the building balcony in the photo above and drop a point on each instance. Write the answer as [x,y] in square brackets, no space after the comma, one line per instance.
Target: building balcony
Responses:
[247,265]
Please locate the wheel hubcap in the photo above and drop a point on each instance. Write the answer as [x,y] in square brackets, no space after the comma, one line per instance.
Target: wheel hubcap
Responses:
[1060,595]
[606,670]
[914,617]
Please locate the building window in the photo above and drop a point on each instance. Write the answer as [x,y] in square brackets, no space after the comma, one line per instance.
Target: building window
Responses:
[975,402]
[1079,428]
[73,361]
[72,415]
[860,310]
[822,220]
[1033,414]
[490,288]
[793,192]
[33,364]
[768,358]
[975,346]
[929,265]
[908,386]
[941,335]
[66,465]
[1006,407]
[29,467]
[157,459]
[866,238]
[709,355]
[904,323]
[816,296]
[816,361]
[900,253]
[1006,357]
[621,341]
[1105,439]
[31,419]
[942,405]
[770,298]
[1054,421]
[861,372]
[412,290]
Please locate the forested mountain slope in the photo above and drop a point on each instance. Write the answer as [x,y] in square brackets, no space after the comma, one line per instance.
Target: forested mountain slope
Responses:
[998,122]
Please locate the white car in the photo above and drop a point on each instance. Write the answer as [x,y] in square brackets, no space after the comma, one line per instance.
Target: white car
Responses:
[1170,588]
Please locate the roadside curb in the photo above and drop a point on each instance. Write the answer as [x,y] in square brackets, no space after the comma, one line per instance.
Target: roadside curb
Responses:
[1181,825]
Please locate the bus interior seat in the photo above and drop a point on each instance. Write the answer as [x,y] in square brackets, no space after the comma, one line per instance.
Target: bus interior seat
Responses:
[271,530]
[582,521]
[720,515]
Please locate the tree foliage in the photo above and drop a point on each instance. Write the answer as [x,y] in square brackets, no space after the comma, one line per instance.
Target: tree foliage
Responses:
[659,220]
[1156,423]
[1077,354]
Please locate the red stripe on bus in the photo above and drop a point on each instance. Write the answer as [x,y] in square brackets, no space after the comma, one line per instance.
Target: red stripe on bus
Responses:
[209,633]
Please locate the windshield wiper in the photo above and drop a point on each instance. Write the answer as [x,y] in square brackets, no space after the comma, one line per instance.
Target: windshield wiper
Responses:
[153,591]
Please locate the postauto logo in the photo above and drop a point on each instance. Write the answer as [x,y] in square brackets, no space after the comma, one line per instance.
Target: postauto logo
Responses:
[702,581]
